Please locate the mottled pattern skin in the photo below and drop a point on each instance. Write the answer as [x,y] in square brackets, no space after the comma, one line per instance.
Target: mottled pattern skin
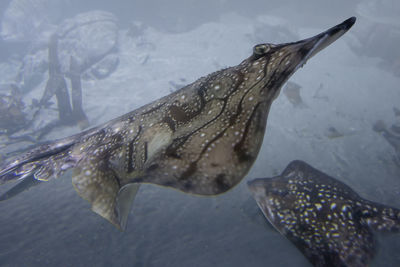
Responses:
[201,139]
[329,222]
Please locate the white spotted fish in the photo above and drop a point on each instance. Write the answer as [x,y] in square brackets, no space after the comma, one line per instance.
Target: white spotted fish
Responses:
[326,220]
[200,139]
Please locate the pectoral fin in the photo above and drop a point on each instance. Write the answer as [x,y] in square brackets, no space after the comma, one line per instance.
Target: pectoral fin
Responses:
[99,185]
[125,198]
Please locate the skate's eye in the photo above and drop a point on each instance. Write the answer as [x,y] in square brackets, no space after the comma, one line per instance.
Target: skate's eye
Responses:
[261,49]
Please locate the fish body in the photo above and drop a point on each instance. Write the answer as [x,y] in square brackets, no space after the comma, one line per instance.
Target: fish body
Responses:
[201,139]
[326,220]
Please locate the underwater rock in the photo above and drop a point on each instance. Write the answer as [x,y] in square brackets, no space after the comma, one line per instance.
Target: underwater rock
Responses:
[392,136]
[105,67]
[32,70]
[380,22]
[380,11]
[136,29]
[332,133]
[379,126]
[78,115]
[91,38]
[396,111]
[395,128]
[292,93]
[318,93]
[12,115]
[88,37]
[31,20]
[56,84]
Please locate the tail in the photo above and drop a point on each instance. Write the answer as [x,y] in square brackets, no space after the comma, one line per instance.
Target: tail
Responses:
[26,184]
[92,156]
[381,217]
[44,162]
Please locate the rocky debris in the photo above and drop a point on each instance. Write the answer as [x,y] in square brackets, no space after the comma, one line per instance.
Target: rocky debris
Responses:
[379,34]
[333,133]
[12,115]
[56,85]
[391,136]
[31,20]
[292,93]
[90,37]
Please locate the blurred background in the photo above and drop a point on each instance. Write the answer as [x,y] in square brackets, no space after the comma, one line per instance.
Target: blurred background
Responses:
[67,65]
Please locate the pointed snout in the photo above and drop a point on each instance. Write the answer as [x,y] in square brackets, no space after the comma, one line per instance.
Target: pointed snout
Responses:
[327,37]
[307,48]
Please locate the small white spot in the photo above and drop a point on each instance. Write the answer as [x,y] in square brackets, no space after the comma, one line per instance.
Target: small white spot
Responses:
[287,62]
[87,173]
[217,87]
[183,97]
[65,166]
[328,235]
[280,54]
[174,167]
[251,98]
[255,63]
[318,206]
[236,133]
[209,112]
[202,134]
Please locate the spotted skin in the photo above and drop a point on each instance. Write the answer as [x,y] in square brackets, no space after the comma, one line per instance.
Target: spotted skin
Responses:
[327,221]
[201,139]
